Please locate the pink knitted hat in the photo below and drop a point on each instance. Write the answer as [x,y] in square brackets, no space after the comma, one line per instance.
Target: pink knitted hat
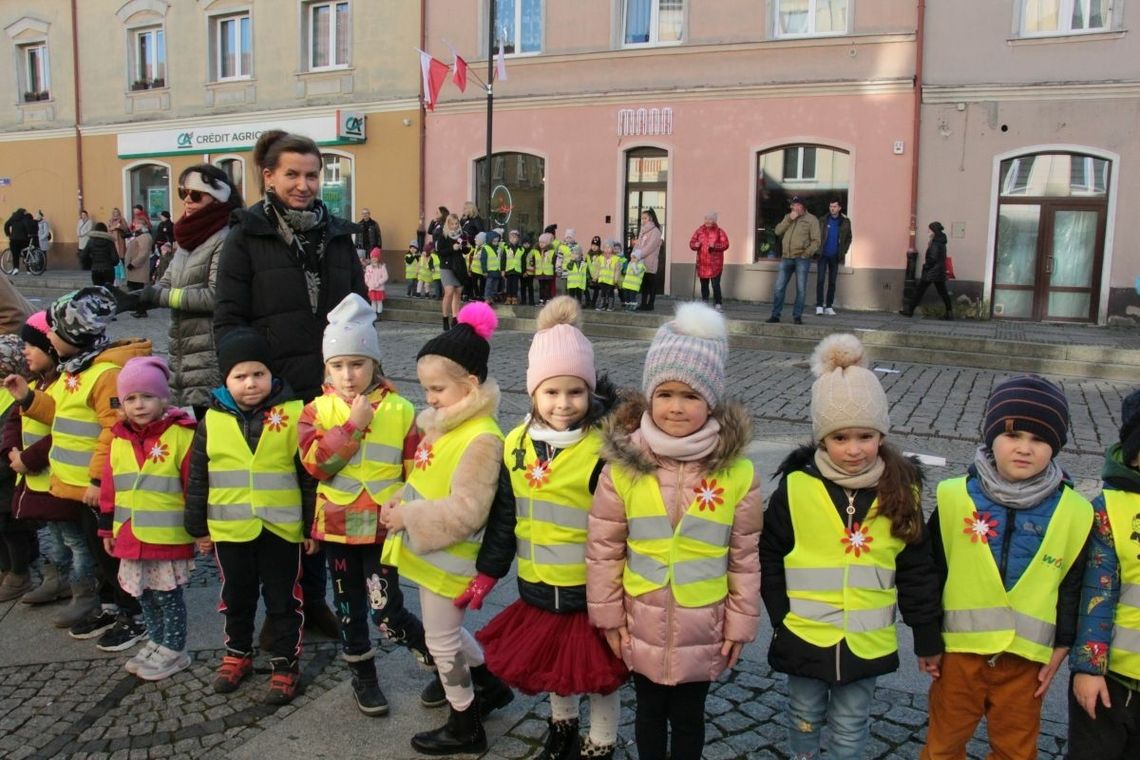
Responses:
[145,374]
[559,347]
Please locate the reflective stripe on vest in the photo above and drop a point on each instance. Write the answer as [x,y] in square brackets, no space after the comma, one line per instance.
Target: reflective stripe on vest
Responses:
[1123,510]
[425,272]
[446,571]
[836,593]
[76,426]
[151,496]
[31,432]
[412,268]
[692,558]
[552,507]
[980,616]
[378,464]
[546,262]
[576,275]
[435,275]
[634,274]
[249,489]
[515,259]
[476,265]
[608,270]
[492,258]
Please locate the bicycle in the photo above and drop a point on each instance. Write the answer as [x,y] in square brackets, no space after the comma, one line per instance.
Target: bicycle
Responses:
[34,260]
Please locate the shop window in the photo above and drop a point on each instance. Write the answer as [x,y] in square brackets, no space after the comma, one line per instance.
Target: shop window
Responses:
[336,184]
[1054,175]
[35,74]
[653,22]
[1045,17]
[232,41]
[235,170]
[517,191]
[809,18]
[327,31]
[148,58]
[817,173]
[150,188]
[518,25]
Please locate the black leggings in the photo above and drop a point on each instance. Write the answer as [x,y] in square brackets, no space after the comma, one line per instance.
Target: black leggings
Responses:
[104,277]
[660,708]
[920,289]
[271,566]
[1114,735]
[715,281]
[648,291]
[106,566]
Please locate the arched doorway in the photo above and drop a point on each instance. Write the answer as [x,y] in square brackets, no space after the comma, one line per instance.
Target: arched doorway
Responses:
[646,187]
[337,184]
[1049,250]
[518,184]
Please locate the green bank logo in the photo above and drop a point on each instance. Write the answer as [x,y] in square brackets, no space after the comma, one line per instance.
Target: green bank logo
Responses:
[185,139]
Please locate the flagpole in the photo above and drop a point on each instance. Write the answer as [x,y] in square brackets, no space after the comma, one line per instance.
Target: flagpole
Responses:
[490,103]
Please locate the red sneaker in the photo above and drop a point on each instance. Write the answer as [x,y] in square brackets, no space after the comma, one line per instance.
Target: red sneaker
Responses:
[283,683]
[232,672]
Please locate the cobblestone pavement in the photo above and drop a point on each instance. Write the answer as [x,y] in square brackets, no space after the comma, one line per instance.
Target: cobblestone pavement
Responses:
[85,706]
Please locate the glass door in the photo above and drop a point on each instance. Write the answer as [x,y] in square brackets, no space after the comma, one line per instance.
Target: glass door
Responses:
[1071,258]
[646,183]
[1015,265]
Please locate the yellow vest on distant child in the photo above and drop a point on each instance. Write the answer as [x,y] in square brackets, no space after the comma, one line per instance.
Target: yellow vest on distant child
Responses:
[1123,509]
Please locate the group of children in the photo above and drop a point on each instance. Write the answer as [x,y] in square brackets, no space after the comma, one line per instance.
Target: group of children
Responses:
[635,521]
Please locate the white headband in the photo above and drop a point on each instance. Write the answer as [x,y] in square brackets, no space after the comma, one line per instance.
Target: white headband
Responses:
[195,181]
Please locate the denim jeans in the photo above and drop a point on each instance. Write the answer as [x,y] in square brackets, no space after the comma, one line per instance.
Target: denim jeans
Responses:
[826,267]
[68,551]
[787,266]
[491,286]
[847,709]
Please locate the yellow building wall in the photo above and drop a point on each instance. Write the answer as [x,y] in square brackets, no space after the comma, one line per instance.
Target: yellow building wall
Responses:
[42,174]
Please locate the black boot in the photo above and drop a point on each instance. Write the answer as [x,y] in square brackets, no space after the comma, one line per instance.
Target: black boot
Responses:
[433,694]
[562,741]
[907,312]
[446,324]
[366,688]
[591,750]
[462,734]
[490,692]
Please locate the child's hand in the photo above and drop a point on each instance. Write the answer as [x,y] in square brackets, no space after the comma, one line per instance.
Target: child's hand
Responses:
[1045,675]
[310,546]
[617,638]
[16,461]
[204,545]
[362,412]
[17,386]
[91,496]
[109,545]
[1088,688]
[931,665]
[731,650]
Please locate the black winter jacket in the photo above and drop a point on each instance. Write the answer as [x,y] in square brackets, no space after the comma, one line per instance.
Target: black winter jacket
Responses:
[251,424]
[919,599]
[101,250]
[934,262]
[261,284]
[368,235]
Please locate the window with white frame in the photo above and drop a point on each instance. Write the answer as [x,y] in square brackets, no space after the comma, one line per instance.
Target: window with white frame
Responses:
[808,18]
[327,31]
[519,25]
[34,72]
[799,162]
[148,58]
[233,47]
[1044,17]
[653,22]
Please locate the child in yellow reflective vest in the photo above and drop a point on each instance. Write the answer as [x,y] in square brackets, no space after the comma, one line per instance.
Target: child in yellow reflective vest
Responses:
[357,440]
[1009,542]
[843,545]
[544,642]
[412,266]
[435,527]
[1104,702]
[17,537]
[251,501]
[672,573]
[530,270]
[142,506]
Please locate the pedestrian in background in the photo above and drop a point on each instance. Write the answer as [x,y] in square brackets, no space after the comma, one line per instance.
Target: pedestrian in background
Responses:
[835,230]
[138,255]
[412,267]
[453,270]
[376,277]
[43,231]
[647,250]
[16,230]
[102,255]
[120,231]
[843,544]
[82,230]
[799,242]
[710,241]
[933,273]
[369,236]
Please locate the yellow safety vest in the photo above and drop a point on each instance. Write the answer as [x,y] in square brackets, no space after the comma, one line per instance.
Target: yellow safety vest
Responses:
[979,615]
[492,258]
[531,259]
[412,268]
[435,275]
[425,272]
[552,504]
[576,275]
[546,263]
[251,489]
[476,265]
[1124,515]
[378,464]
[608,270]
[151,496]
[515,259]
[594,266]
[633,276]
[76,427]
[693,558]
[445,571]
[33,431]
[837,589]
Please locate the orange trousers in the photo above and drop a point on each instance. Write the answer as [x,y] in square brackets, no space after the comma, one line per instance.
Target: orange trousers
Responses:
[971,688]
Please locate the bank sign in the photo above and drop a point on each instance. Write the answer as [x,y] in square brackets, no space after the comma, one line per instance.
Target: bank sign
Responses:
[236,134]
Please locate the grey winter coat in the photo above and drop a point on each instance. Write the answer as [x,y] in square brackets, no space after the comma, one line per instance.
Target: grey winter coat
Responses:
[187,288]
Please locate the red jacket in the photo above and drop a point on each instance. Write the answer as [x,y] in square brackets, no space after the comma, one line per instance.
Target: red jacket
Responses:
[710,243]
[127,546]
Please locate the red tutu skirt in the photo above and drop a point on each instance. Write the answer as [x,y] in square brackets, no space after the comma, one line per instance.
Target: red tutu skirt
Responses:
[376,295]
[536,651]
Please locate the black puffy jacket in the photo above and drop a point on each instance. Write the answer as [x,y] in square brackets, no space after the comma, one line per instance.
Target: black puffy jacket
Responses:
[101,249]
[934,262]
[261,284]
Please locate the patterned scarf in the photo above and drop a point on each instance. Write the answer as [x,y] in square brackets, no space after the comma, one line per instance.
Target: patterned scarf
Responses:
[306,233]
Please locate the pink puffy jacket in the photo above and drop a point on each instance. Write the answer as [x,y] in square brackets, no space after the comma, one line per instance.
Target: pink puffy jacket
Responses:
[670,644]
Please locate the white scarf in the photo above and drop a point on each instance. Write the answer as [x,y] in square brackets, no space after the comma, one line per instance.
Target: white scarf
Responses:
[558,439]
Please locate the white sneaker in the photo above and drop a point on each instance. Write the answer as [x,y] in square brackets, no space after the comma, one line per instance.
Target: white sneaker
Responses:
[132,665]
[718,307]
[829,311]
[819,311]
[163,664]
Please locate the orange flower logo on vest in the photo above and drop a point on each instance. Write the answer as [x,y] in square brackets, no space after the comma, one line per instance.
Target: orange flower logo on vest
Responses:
[72,382]
[709,495]
[275,419]
[538,473]
[422,457]
[857,540]
[980,527]
[158,452]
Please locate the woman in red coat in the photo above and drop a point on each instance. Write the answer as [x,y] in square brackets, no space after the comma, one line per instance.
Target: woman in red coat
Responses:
[710,242]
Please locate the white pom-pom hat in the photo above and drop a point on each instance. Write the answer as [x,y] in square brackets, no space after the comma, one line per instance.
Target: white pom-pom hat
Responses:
[692,349]
[845,394]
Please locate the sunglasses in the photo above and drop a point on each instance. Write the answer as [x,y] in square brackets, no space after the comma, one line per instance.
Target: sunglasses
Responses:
[194,195]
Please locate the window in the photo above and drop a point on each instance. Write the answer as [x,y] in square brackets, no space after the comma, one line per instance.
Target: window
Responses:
[328,31]
[1042,17]
[799,163]
[235,170]
[816,173]
[149,59]
[234,44]
[653,22]
[1054,175]
[806,18]
[150,188]
[336,184]
[34,69]
[516,191]
[519,24]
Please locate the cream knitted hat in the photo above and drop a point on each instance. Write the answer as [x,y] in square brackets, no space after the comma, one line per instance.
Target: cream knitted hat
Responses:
[845,394]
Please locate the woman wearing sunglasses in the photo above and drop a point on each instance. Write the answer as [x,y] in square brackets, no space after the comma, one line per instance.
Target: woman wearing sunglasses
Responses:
[187,286]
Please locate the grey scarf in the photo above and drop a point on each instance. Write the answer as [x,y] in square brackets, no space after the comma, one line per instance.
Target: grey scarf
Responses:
[1020,495]
[291,225]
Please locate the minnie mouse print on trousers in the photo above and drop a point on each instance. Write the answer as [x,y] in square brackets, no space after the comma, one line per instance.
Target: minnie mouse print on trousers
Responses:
[672,573]
[843,545]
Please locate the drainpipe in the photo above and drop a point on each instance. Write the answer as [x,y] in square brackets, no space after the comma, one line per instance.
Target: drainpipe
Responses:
[420,230]
[919,38]
[78,101]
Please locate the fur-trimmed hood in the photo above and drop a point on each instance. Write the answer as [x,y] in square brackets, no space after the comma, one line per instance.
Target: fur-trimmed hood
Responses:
[483,401]
[624,445]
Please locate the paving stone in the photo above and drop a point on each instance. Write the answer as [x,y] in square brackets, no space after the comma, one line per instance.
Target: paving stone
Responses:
[907,716]
[733,722]
[530,729]
[891,732]
[719,751]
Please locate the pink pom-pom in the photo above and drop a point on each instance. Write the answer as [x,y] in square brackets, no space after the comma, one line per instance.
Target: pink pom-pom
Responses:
[481,318]
[39,322]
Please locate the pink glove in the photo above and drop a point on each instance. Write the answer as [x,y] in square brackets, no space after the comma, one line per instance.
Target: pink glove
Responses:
[477,589]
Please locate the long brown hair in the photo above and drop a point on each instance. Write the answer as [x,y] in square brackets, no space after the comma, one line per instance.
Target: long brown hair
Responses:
[900,494]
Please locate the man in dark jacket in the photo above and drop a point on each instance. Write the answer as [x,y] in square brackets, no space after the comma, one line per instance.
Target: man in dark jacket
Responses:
[835,232]
[369,236]
[18,238]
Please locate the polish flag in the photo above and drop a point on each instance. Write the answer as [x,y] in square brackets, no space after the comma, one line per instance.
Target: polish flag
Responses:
[459,72]
[501,63]
[434,72]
